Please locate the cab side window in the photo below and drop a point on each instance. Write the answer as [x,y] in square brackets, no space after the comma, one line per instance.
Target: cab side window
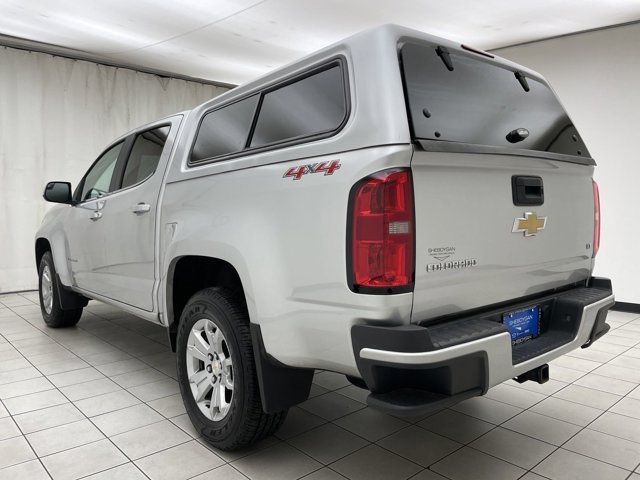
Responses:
[97,181]
[145,155]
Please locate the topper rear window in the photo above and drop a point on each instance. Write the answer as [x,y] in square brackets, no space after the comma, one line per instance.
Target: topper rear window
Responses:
[457,97]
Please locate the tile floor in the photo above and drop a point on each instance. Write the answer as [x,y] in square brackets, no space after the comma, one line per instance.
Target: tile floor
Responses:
[100,401]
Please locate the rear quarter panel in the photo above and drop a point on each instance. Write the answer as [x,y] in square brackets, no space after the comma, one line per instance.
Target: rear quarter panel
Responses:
[287,240]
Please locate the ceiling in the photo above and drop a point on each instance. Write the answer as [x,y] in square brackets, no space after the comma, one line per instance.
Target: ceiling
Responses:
[232,41]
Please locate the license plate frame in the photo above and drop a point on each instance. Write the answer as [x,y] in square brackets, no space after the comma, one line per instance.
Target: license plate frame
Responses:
[523,324]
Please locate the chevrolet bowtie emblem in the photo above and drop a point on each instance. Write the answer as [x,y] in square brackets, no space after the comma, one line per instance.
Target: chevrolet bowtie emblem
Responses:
[529,225]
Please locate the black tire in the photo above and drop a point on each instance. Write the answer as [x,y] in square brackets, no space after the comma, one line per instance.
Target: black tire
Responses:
[245,422]
[56,317]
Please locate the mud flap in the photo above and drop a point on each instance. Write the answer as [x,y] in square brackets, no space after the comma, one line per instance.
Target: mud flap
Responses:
[281,386]
[69,300]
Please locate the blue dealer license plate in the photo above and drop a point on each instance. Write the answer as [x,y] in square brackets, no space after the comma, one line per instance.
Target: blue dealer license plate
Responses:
[523,324]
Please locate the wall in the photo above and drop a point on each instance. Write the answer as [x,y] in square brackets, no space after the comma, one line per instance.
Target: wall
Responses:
[56,115]
[597,74]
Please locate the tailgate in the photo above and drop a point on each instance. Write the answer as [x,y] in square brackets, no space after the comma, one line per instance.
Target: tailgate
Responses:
[467,252]
[488,134]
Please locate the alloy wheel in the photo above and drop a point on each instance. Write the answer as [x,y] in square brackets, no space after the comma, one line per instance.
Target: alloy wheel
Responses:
[46,289]
[210,369]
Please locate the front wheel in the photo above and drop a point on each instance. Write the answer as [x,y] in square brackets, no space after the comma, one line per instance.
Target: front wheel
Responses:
[54,316]
[217,372]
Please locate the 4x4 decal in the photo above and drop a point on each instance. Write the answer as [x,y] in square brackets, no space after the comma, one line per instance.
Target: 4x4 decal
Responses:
[323,167]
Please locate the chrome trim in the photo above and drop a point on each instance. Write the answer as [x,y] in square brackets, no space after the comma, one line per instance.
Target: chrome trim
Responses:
[493,343]
[141,208]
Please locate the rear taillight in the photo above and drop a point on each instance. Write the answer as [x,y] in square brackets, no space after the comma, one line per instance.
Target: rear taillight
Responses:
[381,239]
[596,218]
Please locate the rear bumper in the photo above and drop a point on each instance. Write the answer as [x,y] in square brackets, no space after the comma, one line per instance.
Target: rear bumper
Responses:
[416,369]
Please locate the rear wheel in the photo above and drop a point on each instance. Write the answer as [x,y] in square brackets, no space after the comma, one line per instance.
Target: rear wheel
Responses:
[217,372]
[54,316]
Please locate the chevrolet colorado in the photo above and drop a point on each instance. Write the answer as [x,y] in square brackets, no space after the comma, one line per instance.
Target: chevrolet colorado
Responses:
[413,213]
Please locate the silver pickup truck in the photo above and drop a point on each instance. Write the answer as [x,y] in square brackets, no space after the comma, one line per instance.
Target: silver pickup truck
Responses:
[413,213]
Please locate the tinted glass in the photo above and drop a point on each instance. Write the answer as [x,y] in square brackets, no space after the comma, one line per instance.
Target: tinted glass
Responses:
[97,182]
[225,130]
[481,103]
[312,105]
[144,156]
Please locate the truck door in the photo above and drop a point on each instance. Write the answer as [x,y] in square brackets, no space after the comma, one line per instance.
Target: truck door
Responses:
[80,223]
[122,263]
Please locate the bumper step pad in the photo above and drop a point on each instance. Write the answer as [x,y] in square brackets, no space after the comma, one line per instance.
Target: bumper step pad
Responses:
[412,401]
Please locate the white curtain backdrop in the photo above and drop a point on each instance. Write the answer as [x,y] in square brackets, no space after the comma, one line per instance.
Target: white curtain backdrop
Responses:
[56,115]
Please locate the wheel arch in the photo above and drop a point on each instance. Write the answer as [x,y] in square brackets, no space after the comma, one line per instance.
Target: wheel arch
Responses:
[41,247]
[68,299]
[54,241]
[280,386]
[188,274]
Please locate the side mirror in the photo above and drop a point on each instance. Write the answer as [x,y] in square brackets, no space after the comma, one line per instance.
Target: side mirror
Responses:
[58,192]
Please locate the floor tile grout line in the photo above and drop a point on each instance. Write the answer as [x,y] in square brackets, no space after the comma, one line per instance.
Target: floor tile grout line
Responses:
[28,443]
[578,432]
[73,402]
[202,441]
[113,468]
[587,388]
[90,418]
[191,439]
[495,426]
[332,422]
[105,438]
[368,442]
[372,443]
[280,442]
[427,469]
[75,406]
[306,475]
[123,388]
[527,409]
[468,444]
[118,348]
[223,465]
[96,336]
[633,471]
[87,418]
[462,445]
[32,393]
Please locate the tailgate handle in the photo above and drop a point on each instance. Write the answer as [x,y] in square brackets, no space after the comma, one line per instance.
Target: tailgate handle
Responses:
[527,190]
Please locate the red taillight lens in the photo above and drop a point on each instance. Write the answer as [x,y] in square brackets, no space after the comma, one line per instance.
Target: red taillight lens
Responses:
[596,218]
[382,232]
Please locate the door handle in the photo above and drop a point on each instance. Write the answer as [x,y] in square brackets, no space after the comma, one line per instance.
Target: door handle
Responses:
[141,208]
[95,216]
[527,190]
